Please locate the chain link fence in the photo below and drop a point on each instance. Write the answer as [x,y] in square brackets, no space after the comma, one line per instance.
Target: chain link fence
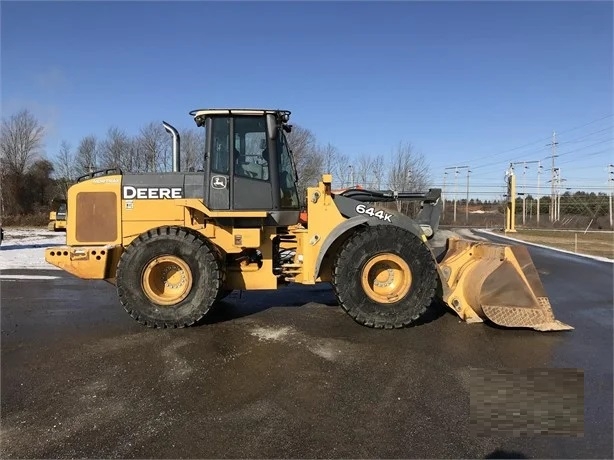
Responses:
[579,211]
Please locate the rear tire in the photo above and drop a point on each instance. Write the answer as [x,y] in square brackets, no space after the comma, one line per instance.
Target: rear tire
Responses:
[385,277]
[169,277]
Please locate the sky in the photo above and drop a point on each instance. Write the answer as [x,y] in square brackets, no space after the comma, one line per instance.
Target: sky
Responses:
[465,83]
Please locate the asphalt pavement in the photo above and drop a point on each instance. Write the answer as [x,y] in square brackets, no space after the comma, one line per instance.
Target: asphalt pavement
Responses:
[283,374]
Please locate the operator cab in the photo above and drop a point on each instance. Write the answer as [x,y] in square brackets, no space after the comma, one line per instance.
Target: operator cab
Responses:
[248,165]
[61,212]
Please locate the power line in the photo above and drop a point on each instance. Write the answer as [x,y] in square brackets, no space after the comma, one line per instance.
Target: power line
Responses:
[592,154]
[587,124]
[501,163]
[473,160]
[578,139]
[582,148]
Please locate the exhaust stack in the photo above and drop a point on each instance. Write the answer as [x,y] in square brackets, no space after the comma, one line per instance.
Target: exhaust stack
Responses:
[176,144]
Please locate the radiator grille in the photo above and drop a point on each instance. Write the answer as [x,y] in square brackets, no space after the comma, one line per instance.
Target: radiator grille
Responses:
[96,217]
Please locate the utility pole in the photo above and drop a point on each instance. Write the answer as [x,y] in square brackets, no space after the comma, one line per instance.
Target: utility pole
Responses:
[455,176]
[456,168]
[467,200]
[524,185]
[611,184]
[539,171]
[553,201]
[554,187]
[510,209]
[443,193]
[552,191]
[524,192]
[558,181]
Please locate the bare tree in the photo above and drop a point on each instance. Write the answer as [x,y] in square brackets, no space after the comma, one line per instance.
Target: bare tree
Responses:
[363,171]
[408,171]
[21,142]
[155,144]
[307,157]
[65,167]
[87,154]
[192,149]
[38,187]
[115,150]
[378,166]
[335,163]
[135,156]
[301,141]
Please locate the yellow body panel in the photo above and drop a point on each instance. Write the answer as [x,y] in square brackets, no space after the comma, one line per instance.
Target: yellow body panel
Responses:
[87,262]
[55,224]
[246,237]
[93,215]
[91,258]
[249,276]
[323,218]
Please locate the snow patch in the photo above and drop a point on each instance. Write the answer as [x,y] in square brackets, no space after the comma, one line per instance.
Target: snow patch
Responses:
[325,351]
[24,248]
[270,333]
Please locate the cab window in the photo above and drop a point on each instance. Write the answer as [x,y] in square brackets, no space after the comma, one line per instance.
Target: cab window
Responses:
[251,155]
[287,175]
[220,152]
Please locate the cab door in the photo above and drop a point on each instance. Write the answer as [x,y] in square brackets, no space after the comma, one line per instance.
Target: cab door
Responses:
[217,164]
[252,168]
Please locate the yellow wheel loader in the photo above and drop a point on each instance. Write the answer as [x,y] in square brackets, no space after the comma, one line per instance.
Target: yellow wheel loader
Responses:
[176,243]
[57,217]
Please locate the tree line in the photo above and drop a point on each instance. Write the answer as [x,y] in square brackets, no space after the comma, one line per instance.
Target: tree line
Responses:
[32,177]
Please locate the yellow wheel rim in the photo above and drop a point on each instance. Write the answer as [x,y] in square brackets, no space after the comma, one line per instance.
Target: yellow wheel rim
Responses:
[386,278]
[167,280]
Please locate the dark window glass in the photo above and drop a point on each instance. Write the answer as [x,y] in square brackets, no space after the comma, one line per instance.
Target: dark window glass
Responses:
[220,153]
[251,155]
[287,175]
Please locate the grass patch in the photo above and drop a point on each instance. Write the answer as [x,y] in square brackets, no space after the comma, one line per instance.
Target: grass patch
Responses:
[590,243]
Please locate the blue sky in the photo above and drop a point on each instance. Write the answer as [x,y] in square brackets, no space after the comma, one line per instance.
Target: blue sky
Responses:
[464,82]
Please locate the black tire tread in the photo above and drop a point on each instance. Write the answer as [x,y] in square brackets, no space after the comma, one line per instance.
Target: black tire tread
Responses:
[420,297]
[199,244]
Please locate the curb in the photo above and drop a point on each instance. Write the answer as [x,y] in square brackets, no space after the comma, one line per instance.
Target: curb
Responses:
[587,256]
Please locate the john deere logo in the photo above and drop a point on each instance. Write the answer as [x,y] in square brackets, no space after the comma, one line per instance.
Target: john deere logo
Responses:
[219,182]
[151,193]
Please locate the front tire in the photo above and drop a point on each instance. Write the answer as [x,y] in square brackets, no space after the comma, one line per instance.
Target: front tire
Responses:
[385,277]
[169,277]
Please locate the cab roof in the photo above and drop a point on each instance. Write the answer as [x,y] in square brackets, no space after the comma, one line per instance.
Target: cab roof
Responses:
[237,111]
